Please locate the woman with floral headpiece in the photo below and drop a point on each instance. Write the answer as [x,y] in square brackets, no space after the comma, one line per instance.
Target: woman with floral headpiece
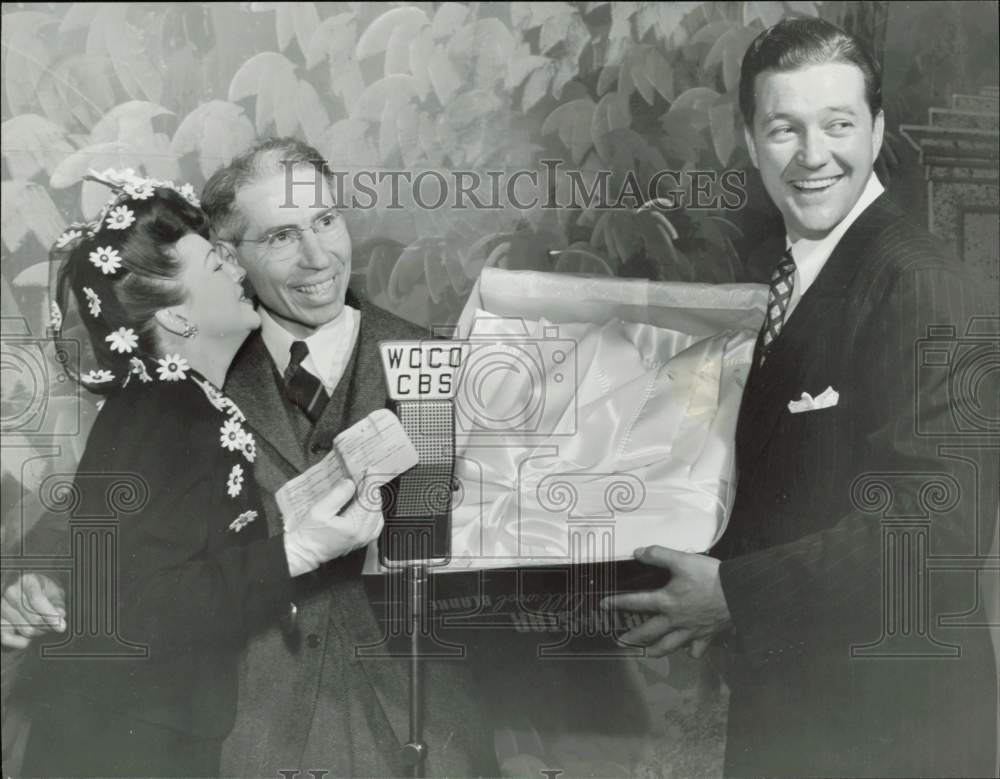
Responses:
[165,314]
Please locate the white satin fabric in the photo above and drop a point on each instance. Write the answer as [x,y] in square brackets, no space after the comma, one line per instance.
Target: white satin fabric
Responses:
[578,442]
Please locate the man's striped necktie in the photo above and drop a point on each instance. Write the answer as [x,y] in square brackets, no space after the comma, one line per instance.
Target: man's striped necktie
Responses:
[304,389]
[778,297]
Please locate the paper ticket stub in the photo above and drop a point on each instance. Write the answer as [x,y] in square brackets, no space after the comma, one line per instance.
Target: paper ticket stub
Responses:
[371,453]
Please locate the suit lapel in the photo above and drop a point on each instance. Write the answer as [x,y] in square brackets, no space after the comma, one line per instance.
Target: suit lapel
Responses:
[253,384]
[820,311]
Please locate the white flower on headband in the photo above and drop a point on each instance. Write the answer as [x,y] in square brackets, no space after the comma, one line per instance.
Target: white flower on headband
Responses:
[122,340]
[107,259]
[139,368]
[187,192]
[249,448]
[93,302]
[140,190]
[67,238]
[120,218]
[173,367]
[55,316]
[97,377]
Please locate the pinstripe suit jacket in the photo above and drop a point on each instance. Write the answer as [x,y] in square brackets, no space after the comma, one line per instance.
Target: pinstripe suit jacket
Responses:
[306,701]
[835,667]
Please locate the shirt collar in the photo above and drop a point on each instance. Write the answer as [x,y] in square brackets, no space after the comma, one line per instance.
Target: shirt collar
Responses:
[330,345]
[811,256]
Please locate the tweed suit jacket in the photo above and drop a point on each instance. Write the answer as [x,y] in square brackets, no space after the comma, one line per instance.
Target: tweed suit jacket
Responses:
[835,667]
[306,701]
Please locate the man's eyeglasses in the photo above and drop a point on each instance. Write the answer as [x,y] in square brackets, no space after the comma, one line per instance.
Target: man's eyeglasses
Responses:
[284,242]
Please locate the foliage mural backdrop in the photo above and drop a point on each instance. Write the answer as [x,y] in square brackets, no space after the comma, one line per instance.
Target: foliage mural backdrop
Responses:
[616,90]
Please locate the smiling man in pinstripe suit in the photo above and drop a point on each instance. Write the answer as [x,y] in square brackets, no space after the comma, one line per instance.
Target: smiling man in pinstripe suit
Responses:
[836,668]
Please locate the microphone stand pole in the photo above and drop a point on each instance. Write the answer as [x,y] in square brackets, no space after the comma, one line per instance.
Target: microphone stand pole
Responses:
[415,750]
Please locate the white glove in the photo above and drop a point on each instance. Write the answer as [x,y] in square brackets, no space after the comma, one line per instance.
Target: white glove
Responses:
[330,530]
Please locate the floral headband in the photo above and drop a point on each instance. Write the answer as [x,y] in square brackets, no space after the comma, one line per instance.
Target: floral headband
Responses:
[115,215]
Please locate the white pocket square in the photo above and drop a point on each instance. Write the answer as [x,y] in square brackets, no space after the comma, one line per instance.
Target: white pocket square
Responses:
[826,399]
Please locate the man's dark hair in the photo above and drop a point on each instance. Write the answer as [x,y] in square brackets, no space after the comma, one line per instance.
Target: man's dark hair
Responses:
[274,155]
[798,43]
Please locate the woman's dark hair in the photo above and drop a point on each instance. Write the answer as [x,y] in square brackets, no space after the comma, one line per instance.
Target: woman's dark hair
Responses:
[798,43]
[146,282]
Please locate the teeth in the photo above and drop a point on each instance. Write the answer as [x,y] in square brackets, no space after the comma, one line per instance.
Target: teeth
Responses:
[815,183]
[316,289]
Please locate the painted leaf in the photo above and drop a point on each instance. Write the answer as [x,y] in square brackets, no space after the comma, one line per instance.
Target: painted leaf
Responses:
[670,21]
[537,86]
[217,130]
[485,47]
[397,53]
[271,77]
[722,118]
[581,258]
[129,55]
[78,15]
[246,81]
[348,146]
[448,18]
[697,99]
[444,77]
[32,143]
[305,20]
[84,85]
[526,16]
[608,78]
[13,227]
[28,208]
[621,21]
[408,272]
[131,122]
[375,38]
[51,104]
[378,271]
[522,66]
[311,115]
[572,121]
[769,13]
[284,26]
[421,51]
[611,113]
[25,57]
[334,39]
[563,28]
[373,101]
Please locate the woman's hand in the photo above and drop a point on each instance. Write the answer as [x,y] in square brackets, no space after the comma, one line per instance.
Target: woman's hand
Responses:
[31,606]
[331,530]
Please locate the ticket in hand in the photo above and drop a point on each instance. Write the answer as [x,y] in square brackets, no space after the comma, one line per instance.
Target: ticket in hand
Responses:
[371,453]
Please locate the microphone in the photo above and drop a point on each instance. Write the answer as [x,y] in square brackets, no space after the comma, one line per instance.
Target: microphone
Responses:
[421,379]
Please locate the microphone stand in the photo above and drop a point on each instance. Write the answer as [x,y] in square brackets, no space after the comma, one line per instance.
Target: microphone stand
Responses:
[415,750]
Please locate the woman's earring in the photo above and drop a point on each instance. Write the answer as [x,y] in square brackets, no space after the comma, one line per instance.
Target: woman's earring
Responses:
[190,330]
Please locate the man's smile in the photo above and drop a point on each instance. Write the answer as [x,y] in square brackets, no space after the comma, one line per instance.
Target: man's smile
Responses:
[811,186]
[318,288]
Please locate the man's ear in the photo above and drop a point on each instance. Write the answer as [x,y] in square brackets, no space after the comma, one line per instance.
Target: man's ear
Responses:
[878,131]
[751,146]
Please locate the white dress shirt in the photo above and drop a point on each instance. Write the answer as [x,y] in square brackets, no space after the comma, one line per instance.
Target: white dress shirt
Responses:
[811,256]
[330,346]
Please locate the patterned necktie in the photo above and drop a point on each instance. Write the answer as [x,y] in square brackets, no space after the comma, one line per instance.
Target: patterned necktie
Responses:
[778,296]
[304,389]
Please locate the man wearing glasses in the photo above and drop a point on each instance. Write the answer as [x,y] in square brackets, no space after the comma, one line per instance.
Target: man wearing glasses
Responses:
[306,701]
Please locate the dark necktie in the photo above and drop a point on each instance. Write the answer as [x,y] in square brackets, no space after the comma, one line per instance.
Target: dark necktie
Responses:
[304,389]
[778,297]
